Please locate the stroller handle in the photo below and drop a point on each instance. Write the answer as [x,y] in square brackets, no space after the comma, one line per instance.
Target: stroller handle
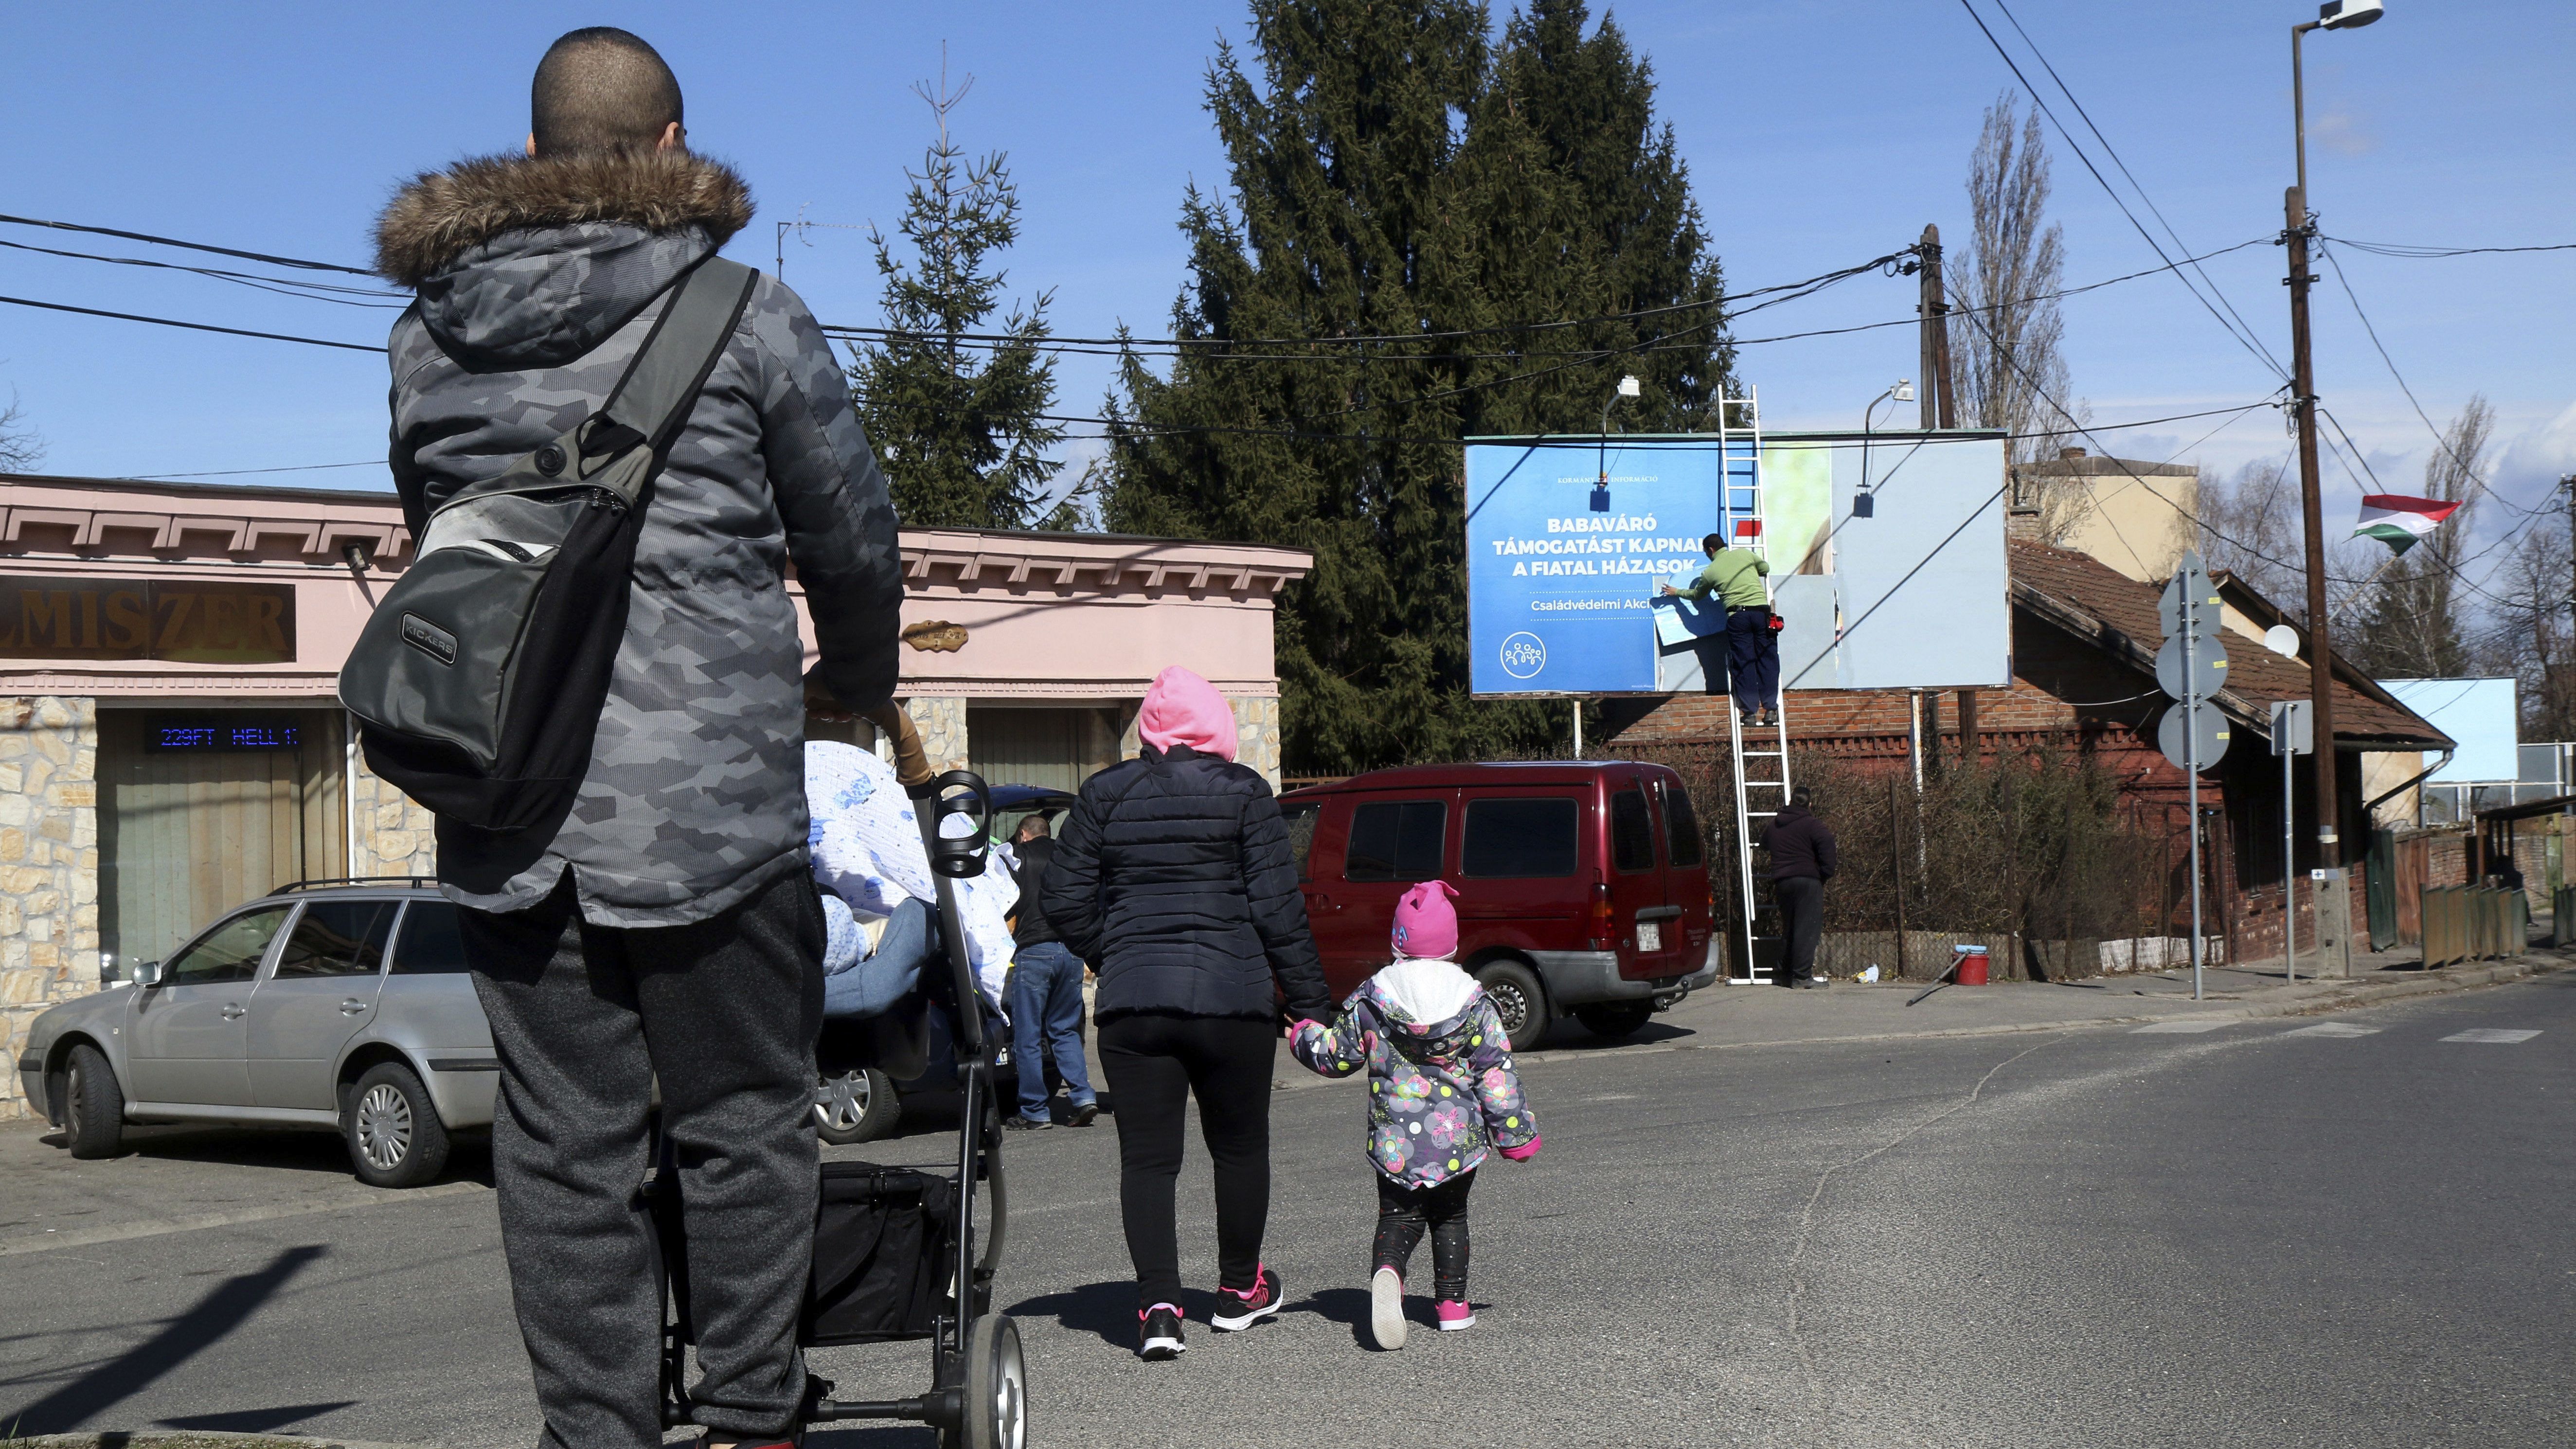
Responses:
[952,860]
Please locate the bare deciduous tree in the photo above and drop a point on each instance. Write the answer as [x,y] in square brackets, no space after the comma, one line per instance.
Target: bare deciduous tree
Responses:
[2011,375]
[2413,624]
[2249,527]
[21,447]
[2529,636]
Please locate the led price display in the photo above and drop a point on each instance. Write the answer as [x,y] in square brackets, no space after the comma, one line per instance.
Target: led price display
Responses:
[210,733]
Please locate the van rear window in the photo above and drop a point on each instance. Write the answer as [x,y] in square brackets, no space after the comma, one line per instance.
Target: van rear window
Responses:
[1518,839]
[1681,827]
[1632,832]
[1396,840]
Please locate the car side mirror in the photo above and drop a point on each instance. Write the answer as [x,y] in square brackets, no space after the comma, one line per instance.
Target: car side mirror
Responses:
[147,974]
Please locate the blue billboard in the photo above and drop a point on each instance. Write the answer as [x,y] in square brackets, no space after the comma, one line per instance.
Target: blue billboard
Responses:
[1566,542]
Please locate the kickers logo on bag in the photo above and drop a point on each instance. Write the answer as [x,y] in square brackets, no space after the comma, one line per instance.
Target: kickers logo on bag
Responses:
[429,639]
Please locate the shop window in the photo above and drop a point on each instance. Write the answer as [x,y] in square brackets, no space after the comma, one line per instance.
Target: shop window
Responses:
[201,811]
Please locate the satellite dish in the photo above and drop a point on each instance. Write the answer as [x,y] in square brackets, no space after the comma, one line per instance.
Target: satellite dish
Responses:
[2283,640]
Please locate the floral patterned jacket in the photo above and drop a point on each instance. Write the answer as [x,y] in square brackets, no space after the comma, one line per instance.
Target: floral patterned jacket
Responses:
[1441,1091]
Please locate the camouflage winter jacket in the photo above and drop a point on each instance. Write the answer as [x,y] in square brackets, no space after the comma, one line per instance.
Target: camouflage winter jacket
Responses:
[537,281]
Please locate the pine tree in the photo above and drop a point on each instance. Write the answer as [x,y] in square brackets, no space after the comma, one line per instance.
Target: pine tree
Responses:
[959,424]
[1393,176]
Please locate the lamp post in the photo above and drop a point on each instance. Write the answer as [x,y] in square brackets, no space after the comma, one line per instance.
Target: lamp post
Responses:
[2330,897]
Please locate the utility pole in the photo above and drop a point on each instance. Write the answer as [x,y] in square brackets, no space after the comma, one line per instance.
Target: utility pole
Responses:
[1940,404]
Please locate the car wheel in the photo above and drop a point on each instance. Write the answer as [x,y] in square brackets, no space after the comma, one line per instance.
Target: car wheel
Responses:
[93,1105]
[395,1138]
[1614,1018]
[1518,999]
[856,1106]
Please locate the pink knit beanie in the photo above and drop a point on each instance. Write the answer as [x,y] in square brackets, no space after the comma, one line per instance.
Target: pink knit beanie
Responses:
[1181,708]
[1426,924]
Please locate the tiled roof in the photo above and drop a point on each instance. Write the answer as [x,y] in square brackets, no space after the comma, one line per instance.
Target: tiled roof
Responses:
[2073,590]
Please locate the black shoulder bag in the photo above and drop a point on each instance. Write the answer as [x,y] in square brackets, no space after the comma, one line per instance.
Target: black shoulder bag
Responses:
[479,680]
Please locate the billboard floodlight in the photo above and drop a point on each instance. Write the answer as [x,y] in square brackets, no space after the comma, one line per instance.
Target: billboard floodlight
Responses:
[2347,14]
[1629,387]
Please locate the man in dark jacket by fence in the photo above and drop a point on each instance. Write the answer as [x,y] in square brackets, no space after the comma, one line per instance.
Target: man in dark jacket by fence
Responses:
[666,928]
[1802,860]
[1046,994]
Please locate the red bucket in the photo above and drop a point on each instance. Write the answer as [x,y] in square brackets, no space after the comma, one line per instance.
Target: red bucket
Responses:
[1972,965]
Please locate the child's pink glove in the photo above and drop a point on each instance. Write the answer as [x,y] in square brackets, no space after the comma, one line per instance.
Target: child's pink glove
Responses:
[1524,1152]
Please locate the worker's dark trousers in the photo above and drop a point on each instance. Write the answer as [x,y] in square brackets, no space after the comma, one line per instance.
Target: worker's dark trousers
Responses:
[1802,921]
[585,1019]
[1753,658]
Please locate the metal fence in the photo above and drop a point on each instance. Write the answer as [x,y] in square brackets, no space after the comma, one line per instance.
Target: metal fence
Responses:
[2473,923]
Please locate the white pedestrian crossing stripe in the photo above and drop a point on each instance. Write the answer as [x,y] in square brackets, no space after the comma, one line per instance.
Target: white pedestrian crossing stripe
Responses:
[2332,1028]
[2179,1026]
[2494,1035]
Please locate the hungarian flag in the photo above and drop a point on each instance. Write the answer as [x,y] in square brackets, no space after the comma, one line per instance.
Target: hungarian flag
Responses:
[2398,521]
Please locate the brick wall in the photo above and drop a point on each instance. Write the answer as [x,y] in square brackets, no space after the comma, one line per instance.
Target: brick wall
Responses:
[48,866]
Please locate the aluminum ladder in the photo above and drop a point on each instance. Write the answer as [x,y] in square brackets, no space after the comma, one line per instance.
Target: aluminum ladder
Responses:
[1741,515]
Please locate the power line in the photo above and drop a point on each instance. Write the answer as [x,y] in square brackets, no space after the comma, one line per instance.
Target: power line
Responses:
[163,241]
[283,286]
[2394,249]
[237,472]
[191,326]
[2249,343]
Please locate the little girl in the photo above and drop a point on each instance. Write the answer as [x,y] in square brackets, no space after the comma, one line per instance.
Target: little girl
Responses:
[1441,1086]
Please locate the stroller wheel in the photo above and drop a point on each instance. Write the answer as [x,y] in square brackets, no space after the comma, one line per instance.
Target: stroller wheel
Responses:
[855,1106]
[996,1386]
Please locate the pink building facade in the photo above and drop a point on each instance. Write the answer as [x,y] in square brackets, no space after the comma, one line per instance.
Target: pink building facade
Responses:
[171,744]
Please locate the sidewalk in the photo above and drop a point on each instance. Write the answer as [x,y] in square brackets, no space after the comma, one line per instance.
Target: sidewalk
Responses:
[1760,1016]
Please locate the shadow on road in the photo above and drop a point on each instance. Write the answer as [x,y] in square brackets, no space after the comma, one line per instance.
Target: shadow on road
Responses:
[1107,1309]
[256,1421]
[111,1383]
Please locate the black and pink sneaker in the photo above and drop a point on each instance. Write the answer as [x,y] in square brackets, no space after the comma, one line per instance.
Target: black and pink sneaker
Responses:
[1159,1332]
[1240,1308]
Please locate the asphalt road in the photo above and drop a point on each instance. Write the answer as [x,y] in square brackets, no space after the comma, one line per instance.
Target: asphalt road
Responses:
[2339,1231]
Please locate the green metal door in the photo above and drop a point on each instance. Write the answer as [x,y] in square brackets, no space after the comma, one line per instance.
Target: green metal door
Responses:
[2380,889]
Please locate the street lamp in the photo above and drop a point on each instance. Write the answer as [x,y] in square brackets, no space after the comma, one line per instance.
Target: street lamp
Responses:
[2333,911]
[1628,387]
[1864,502]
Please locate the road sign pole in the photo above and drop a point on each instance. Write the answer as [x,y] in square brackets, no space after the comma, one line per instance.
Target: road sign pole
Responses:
[2289,846]
[2191,776]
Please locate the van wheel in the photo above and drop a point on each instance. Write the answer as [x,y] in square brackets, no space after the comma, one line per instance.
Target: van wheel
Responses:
[1518,999]
[394,1136]
[93,1105]
[1614,1018]
[857,1106]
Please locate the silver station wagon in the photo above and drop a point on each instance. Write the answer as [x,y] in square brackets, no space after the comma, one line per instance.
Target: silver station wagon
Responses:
[342,1006]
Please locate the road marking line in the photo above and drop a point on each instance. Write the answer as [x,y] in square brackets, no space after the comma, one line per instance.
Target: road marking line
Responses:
[2333,1028]
[2492,1035]
[124,1231]
[2179,1026]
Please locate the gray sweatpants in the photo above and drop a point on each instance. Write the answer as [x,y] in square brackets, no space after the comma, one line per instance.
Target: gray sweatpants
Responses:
[584,1019]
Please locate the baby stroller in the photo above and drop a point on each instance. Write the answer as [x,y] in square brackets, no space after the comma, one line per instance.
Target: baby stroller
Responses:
[895,1251]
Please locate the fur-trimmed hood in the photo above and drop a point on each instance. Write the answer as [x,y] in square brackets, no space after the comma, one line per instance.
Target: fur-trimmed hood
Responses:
[527,263]
[438,216]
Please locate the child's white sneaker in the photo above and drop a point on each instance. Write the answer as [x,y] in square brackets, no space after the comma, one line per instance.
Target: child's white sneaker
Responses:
[1455,1315]
[1386,1308]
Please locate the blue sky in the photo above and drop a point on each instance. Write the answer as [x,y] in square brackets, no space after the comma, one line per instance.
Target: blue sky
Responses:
[1820,134]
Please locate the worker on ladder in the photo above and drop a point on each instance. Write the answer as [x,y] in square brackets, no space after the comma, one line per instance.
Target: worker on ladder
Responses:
[1748,654]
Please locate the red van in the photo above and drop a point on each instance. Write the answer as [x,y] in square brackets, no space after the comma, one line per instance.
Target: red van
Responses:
[1583,886]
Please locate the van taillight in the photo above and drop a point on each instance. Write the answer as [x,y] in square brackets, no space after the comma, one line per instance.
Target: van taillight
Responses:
[1605,921]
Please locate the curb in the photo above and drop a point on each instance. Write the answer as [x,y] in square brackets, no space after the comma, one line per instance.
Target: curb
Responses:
[192,1439]
[2359,994]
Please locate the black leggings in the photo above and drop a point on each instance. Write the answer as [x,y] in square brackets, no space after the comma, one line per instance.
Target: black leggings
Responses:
[1155,1064]
[1402,1212]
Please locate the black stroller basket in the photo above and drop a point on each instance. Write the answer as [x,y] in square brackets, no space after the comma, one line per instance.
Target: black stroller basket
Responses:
[895,1248]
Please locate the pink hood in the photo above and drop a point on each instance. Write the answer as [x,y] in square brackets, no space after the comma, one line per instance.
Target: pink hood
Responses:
[1183,709]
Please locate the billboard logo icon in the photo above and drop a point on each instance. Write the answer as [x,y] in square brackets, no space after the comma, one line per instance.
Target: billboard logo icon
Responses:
[1523,655]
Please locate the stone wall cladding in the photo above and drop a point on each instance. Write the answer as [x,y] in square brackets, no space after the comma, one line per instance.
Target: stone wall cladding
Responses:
[1256,731]
[941,718]
[394,835]
[48,867]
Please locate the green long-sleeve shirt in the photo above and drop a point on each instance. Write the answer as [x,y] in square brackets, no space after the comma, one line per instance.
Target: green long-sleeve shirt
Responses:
[1736,576]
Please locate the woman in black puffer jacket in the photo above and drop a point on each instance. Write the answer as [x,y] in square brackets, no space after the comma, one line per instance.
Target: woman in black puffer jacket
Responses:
[1174,874]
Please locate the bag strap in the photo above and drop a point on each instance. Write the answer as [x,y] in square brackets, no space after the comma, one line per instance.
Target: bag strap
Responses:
[652,401]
